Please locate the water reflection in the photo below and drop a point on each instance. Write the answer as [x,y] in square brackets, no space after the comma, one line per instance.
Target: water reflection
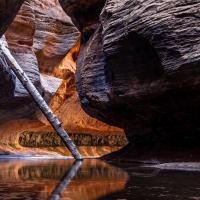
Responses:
[155,184]
[93,180]
[31,179]
[65,181]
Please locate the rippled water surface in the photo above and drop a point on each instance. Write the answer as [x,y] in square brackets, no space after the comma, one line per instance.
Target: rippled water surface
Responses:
[93,180]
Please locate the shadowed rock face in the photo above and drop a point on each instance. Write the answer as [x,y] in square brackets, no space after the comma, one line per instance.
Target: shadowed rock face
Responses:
[139,70]
[84,14]
[8,11]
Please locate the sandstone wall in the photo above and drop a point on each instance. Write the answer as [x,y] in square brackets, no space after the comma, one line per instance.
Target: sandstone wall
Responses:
[138,69]
[44,41]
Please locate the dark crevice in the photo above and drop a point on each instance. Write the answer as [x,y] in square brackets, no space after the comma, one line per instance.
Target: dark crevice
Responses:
[134,60]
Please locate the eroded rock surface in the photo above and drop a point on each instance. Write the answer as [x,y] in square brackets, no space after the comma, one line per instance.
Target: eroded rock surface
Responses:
[20,40]
[9,9]
[45,43]
[39,139]
[55,34]
[84,14]
[20,36]
[138,69]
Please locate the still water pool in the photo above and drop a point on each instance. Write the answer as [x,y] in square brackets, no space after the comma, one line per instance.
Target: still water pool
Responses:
[93,180]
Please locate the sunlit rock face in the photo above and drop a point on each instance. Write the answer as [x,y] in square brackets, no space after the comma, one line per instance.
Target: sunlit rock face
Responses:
[45,43]
[40,139]
[138,69]
[55,34]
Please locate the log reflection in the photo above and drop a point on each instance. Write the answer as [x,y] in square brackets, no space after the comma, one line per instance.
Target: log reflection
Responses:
[65,180]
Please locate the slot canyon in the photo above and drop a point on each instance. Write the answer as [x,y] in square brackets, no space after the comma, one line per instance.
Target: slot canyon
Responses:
[122,76]
[45,43]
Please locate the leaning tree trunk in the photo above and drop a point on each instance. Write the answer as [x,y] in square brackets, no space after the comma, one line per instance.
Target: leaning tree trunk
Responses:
[40,102]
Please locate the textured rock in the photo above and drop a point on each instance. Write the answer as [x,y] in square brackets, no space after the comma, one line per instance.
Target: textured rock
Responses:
[41,39]
[20,40]
[189,166]
[139,70]
[25,32]
[50,85]
[84,14]
[39,139]
[8,10]
[20,36]
[55,34]
[12,131]
[10,106]
[66,103]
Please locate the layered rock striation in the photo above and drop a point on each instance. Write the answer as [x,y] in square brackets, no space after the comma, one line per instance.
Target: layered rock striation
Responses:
[20,36]
[55,34]
[45,43]
[138,69]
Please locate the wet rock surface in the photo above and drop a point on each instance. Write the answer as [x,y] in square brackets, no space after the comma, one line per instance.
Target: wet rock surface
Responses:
[179,166]
[138,69]
[84,14]
[152,183]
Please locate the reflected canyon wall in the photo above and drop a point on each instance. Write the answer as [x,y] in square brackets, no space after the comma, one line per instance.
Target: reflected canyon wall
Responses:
[45,43]
[33,179]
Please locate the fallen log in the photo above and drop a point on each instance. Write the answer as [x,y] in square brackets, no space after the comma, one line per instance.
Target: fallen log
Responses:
[57,125]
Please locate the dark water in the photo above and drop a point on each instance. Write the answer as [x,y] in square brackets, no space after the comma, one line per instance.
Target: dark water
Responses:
[94,180]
